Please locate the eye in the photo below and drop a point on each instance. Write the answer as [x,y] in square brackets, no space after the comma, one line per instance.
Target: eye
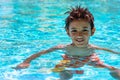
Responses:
[73,30]
[85,30]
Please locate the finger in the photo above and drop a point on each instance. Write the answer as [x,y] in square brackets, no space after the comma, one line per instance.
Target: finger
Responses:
[18,68]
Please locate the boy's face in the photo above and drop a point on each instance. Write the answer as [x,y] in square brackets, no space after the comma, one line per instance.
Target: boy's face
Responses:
[80,32]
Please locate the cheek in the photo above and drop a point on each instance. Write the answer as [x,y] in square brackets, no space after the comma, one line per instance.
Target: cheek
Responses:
[73,34]
[86,34]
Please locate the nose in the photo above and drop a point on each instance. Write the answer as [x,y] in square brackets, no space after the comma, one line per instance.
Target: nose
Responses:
[79,33]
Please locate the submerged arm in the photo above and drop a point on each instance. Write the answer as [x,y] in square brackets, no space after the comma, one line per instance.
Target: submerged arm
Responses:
[29,59]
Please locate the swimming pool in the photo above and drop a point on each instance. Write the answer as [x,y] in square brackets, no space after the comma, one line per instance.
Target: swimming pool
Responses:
[29,26]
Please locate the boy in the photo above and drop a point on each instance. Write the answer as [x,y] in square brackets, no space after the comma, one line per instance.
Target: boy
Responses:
[80,27]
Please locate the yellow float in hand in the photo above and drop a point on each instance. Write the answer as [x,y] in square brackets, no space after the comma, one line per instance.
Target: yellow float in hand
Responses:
[58,69]
[65,61]
[61,66]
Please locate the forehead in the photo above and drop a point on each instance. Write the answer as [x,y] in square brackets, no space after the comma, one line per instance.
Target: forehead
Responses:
[79,24]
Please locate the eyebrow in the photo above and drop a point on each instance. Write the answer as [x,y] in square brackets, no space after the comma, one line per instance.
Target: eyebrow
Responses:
[73,28]
[83,27]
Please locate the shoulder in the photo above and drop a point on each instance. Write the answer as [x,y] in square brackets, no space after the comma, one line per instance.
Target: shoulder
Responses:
[93,46]
[97,47]
[62,46]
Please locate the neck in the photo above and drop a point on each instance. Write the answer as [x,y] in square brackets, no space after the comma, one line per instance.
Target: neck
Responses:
[85,46]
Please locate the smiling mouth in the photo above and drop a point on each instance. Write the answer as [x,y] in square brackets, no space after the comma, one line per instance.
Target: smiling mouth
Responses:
[80,40]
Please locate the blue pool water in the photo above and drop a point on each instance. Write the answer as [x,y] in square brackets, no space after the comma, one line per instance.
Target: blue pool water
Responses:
[29,26]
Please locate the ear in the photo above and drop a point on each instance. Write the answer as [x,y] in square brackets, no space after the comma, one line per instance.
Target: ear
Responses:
[93,30]
[67,31]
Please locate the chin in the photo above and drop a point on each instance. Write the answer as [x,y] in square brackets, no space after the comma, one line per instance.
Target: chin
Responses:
[81,45]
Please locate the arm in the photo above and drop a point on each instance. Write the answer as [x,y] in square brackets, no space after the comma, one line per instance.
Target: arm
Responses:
[105,49]
[32,57]
[27,61]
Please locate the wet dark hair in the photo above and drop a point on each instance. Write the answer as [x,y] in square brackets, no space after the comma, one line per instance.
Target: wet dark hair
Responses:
[79,13]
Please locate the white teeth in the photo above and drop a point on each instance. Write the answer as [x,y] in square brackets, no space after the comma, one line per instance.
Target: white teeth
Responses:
[79,40]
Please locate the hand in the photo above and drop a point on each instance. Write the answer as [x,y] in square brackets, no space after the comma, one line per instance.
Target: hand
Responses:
[115,73]
[22,66]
